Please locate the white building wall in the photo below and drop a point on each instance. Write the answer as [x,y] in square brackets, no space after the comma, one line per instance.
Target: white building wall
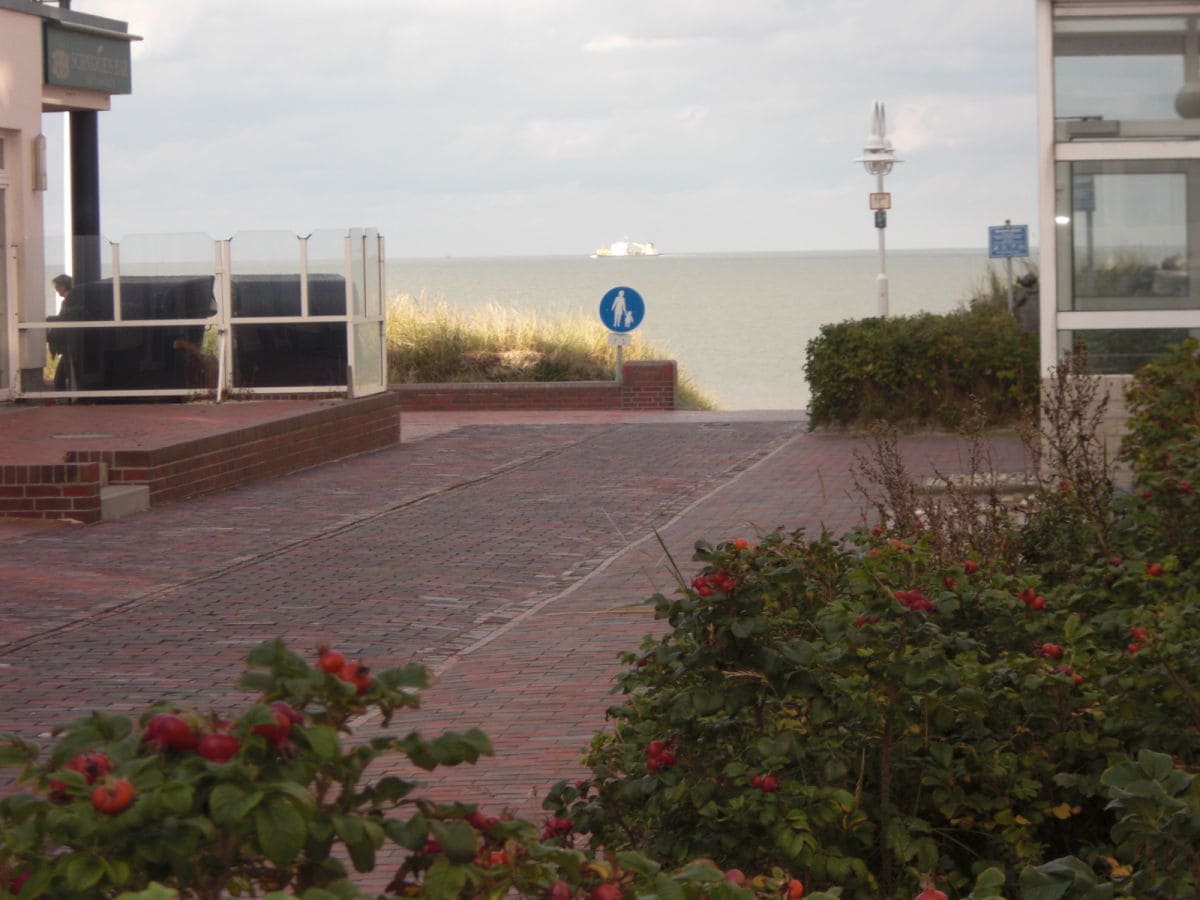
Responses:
[20,124]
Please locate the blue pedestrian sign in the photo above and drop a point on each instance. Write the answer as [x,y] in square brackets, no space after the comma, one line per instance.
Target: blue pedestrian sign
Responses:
[622,309]
[1007,241]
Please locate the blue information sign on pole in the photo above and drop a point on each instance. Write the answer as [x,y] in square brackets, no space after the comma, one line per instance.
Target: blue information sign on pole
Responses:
[1007,241]
[622,309]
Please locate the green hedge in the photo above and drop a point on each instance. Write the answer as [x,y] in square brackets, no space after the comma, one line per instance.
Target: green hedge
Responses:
[923,369]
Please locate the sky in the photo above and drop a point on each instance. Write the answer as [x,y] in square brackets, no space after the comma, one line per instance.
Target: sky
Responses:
[469,128]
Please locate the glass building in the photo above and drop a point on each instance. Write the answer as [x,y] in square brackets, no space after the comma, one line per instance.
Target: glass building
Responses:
[1119,175]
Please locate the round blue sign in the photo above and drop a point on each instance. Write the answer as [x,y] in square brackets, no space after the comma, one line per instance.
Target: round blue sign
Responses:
[622,309]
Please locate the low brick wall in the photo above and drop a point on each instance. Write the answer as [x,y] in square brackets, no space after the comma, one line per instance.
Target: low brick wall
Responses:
[60,491]
[646,385]
[268,450]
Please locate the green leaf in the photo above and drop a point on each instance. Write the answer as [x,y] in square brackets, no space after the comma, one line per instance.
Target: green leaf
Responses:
[176,797]
[444,881]
[410,834]
[281,831]
[229,804]
[322,740]
[457,839]
[83,872]
[667,889]
[638,862]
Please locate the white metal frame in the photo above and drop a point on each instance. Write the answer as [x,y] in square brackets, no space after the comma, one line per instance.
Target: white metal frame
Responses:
[1052,151]
[224,322]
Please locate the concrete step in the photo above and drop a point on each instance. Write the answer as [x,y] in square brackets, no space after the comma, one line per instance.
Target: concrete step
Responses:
[117,500]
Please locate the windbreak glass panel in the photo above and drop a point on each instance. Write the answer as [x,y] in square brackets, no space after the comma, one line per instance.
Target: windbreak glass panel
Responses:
[264,274]
[367,344]
[1131,234]
[327,273]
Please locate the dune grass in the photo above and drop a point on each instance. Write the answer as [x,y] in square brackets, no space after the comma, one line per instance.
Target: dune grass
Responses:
[430,342]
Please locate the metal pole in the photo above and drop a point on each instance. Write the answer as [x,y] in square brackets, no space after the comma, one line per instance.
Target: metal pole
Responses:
[1008,274]
[620,366]
[881,280]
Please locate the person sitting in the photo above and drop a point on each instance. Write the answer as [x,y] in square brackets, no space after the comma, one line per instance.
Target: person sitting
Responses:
[57,339]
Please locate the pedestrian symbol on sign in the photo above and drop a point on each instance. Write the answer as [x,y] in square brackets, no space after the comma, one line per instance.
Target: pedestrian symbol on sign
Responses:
[622,309]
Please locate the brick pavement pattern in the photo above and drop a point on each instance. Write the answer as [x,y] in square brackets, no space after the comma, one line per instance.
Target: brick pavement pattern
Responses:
[513,556]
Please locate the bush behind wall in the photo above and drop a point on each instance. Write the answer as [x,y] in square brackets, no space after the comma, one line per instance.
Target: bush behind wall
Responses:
[923,369]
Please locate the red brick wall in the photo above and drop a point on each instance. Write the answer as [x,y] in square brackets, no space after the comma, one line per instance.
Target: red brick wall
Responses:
[62,491]
[646,385]
[261,451]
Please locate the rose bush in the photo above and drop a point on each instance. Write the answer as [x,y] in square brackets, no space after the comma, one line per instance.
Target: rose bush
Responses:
[277,802]
[918,724]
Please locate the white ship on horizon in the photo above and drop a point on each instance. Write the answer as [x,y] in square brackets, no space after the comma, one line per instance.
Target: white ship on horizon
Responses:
[626,247]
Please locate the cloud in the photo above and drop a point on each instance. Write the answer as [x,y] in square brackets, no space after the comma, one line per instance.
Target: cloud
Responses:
[546,121]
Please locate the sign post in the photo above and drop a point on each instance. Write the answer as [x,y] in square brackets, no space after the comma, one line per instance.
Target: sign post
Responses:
[1004,242]
[621,310]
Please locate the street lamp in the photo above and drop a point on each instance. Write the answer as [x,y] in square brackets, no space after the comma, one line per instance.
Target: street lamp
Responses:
[878,158]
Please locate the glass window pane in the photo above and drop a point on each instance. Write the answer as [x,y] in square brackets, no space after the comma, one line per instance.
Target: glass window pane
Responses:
[1120,352]
[1130,231]
[1120,78]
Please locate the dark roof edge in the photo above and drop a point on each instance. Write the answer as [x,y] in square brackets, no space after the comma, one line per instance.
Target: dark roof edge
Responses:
[66,16]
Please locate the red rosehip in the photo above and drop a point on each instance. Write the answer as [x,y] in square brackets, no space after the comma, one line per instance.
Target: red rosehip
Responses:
[606,891]
[358,675]
[91,765]
[1154,569]
[735,877]
[219,747]
[330,661]
[1051,651]
[168,731]
[558,890]
[112,797]
[948,582]
[740,544]
[285,717]
[931,894]
[795,889]
[970,567]
[769,784]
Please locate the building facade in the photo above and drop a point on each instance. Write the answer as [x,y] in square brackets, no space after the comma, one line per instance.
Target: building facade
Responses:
[52,60]
[1119,178]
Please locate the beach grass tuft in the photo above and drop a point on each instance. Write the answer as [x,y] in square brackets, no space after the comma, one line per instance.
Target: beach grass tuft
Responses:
[429,341]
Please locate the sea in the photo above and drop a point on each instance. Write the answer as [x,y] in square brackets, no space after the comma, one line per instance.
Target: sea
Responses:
[736,323]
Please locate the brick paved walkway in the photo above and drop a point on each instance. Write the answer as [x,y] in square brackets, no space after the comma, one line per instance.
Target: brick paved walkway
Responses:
[510,553]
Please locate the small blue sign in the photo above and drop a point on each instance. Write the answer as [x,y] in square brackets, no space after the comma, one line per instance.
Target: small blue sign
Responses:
[1007,241]
[622,309]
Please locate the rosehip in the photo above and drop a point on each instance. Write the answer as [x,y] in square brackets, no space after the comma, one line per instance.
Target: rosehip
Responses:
[735,877]
[741,544]
[358,675]
[1154,569]
[170,732]
[285,718]
[558,890]
[1051,651]
[330,661]
[970,567]
[795,889]
[769,784]
[606,891]
[218,748]
[112,797]
[931,894]
[91,765]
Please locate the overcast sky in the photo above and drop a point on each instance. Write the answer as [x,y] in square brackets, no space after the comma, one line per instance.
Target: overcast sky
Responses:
[533,127]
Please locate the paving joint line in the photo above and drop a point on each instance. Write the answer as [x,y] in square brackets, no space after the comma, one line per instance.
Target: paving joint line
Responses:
[243,563]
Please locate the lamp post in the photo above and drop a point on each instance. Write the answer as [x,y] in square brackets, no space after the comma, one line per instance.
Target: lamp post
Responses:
[878,158]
